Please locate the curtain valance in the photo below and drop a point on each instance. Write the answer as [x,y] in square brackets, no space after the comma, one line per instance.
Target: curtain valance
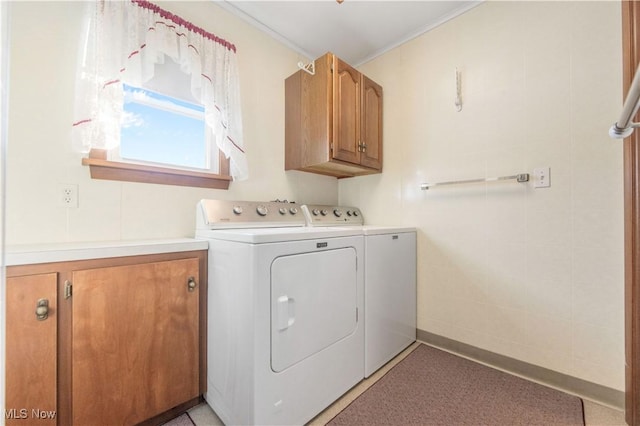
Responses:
[122,43]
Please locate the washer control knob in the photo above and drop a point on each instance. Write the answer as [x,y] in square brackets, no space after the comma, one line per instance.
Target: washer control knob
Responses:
[293,210]
[323,212]
[237,209]
[348,212]
[337,212]
[282,210]
[262,210]
[355,213]
[315,212]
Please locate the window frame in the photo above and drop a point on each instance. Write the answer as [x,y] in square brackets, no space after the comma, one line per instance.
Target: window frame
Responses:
[129,170]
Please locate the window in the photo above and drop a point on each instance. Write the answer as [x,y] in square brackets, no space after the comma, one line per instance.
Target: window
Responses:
[160,129]
[165,131]
[163,124]
[157,102]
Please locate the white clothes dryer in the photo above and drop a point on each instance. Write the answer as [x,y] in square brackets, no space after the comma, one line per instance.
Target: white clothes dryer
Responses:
[389,281]
[285,334]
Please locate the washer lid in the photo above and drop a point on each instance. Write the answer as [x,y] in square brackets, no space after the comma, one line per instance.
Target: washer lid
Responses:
[378,230]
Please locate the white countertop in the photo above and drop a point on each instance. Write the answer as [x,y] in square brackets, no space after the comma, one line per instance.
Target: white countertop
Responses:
[62,252]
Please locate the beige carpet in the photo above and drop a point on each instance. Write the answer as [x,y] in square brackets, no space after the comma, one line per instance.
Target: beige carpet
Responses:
[433,387]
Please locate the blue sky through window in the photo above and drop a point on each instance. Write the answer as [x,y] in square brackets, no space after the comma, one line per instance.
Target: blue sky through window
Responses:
[162,129]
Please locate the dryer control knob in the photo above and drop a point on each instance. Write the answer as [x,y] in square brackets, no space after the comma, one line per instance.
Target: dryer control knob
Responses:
[337,212]
[237,210]
[348,212]
[315,212]
[293,210]
[282,210]
[262,210]
[355,213]
[323,212]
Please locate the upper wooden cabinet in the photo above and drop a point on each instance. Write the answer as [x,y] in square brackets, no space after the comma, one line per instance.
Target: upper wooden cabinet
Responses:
[333,120]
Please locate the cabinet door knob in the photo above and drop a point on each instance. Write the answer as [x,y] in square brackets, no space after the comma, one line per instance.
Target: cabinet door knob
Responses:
[42,309]
[191,284]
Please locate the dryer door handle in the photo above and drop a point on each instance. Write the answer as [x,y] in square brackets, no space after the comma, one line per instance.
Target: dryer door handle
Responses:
[286,312]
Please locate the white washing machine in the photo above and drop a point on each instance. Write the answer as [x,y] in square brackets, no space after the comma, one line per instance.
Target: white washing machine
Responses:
[389,281]
[285,333]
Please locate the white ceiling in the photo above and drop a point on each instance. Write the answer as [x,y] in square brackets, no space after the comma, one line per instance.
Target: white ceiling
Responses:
[356,30]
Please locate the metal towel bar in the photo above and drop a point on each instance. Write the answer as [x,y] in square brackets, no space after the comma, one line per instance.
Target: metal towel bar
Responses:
[625,125]
[520,177]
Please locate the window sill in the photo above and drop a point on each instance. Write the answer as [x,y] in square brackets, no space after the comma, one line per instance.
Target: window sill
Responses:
[113,170]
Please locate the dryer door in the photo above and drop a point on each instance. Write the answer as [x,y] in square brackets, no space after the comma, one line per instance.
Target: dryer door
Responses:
[313,303]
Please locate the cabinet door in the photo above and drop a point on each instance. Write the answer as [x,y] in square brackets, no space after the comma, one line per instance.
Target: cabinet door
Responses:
[135,341]
[371,124]
[31,351]
[346,112]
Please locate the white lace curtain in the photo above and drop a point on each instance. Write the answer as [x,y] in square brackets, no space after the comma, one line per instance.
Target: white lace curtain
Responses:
[123,40]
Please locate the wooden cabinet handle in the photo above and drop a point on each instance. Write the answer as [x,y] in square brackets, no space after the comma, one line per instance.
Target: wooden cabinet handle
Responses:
[191,284]
[42,309]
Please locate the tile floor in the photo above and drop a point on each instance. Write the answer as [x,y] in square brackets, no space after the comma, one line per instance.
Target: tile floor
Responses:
[595,414]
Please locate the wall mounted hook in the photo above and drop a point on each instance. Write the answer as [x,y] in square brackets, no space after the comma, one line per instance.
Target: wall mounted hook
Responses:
[458,101]
[309,68]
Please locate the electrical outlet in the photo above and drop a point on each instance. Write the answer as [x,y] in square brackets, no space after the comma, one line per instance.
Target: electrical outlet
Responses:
[68,196]
[542,177]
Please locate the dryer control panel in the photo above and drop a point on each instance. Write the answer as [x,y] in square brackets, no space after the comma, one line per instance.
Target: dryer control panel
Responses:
[324,215]
[214,214]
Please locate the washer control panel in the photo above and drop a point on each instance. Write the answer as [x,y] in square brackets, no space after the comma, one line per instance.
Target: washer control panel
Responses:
[324,215]
[214,214]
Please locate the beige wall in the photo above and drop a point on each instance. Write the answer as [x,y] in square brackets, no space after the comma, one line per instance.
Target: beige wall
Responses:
[44,43]
[535,274]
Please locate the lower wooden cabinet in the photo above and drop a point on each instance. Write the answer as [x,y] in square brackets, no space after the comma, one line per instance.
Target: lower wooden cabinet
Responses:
[135,341]
[31,350]
[123,343]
